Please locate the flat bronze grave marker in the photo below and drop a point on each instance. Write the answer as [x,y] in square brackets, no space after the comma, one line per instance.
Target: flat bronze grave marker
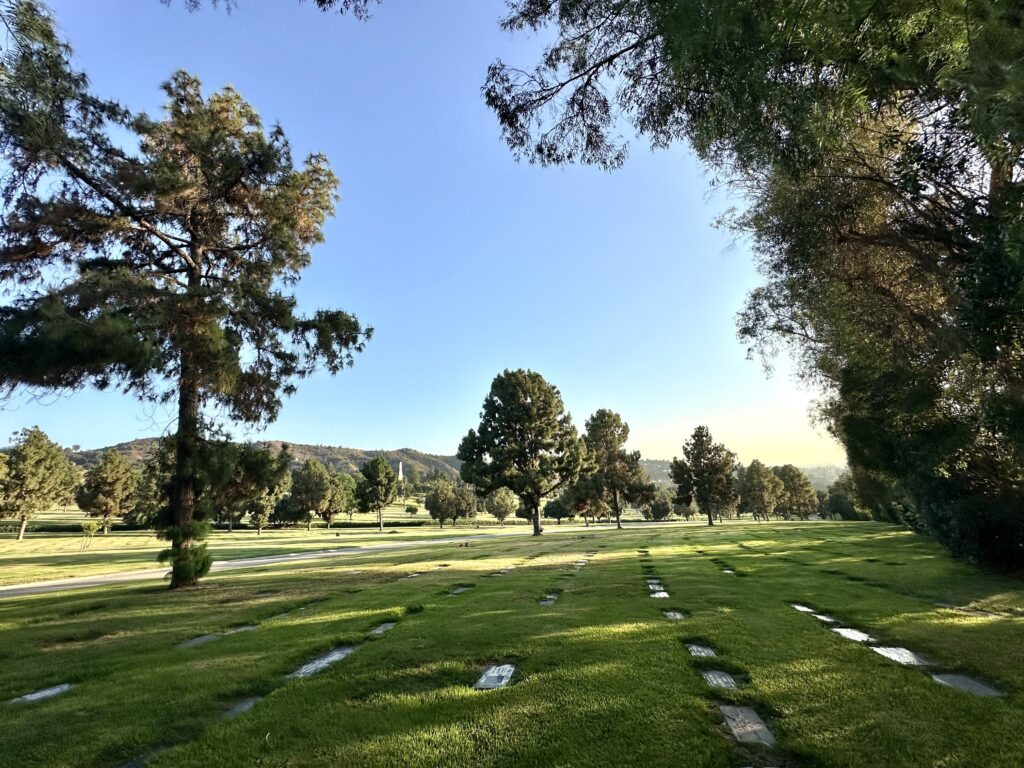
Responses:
[747,726]
[967,684]
[497,676]
[716,678]
[241,708]
[45,693]
[901,656]
[674,615]
[701,651]
[321,663]
[853,634]
[380,629]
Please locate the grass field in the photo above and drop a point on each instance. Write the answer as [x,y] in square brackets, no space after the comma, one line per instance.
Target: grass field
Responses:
[603,679]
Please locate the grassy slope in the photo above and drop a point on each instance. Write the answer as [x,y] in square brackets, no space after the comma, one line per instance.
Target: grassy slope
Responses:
[603,679]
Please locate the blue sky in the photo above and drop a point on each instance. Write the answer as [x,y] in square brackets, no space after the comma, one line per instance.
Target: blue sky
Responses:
[614,286]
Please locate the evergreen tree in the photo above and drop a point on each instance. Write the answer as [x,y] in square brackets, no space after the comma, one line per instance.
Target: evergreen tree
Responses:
[35,469]
[762,490]
[705,475]
[525,442]
[173,237]
[500,504]
[798,498]
[615,473]
[311,492]
[375,488]
[109,489]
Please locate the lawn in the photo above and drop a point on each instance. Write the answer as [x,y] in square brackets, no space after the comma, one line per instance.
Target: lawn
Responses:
[602,678]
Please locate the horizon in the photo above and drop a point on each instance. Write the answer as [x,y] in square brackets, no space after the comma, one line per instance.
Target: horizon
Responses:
[631,292]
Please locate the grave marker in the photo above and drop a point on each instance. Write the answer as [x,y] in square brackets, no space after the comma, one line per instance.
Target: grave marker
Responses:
[458,591]
[497,676]
[824,617]
[674,615]
[853,634]
[802,608]
[901,656]
[241,708]
[967,684]
[321,663]
[236,630]
[45,693]
[659,595]
[380,629]
[549,600]
[701,651]
[747,726]
[716,678]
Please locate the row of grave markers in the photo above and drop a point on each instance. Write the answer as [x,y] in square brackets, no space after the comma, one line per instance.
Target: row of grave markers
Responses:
[745,724]
[902,656]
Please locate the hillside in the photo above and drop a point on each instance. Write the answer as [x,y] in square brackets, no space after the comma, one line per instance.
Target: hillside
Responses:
[821,477]
[340,458]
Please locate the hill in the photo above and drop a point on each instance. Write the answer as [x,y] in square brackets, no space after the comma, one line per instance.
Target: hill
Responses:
[340,458]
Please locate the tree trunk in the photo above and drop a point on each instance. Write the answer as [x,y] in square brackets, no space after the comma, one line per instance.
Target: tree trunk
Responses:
[711,518]
[106,527]
[24,525]
[183,485]
[537,530]
[309,523]
[231,524]
[380,519]
[259,531]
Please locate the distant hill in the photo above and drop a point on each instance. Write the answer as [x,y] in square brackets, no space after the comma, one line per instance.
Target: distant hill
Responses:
[342,459]
[821,477]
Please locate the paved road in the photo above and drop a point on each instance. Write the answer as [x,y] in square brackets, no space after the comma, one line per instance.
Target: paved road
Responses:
[155,574]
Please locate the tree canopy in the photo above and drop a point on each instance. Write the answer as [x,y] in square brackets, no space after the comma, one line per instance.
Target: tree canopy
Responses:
[376,488]
[704,474]
[109,489]
[33,478]
[615,474]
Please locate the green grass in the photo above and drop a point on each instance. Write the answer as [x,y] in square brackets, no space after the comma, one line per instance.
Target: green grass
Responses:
[603,679]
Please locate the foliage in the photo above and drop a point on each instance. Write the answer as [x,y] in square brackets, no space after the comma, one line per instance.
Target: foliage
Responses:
[342,499]
[615,474]
[375,488]
[448,500]
[558,509]
[661,505]
[151,254]
[526,442]
[311,492]
[36,469]
[705,475]
[798,498]
[761,490]
[109,489]
[501,503]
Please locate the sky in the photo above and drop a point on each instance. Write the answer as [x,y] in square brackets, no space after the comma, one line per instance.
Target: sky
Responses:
[616,287]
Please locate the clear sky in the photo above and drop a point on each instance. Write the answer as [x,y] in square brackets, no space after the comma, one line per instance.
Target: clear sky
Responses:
[614,286]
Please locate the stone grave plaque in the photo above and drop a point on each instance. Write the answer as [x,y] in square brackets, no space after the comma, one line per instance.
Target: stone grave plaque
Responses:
[549,600]
[802,608]
[655,587]
[659,595]
[701,651]
[901,656]
[236,630]
[747,726]
[716,678]
[674,615]
[825,618]
[497,676]
[380,629]
[853,634]
[45,693]
[968,684]
[458,591]
[195,642]
[728,570]
[241,707]
[321,663]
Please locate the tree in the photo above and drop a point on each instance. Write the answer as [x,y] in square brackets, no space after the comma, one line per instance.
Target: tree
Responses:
[798,498]
[311,492]
[342,499]
[762,490]
[557,509]
[660,507]
[440,501]
[375,488]
[500,504]
[705,474]
[525,442]
[412,477]
[174,238]
[109,489]
[68,483]
[262,507]
[32,483]
[237,476]
[586,499]
[616,473]
[152,499]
